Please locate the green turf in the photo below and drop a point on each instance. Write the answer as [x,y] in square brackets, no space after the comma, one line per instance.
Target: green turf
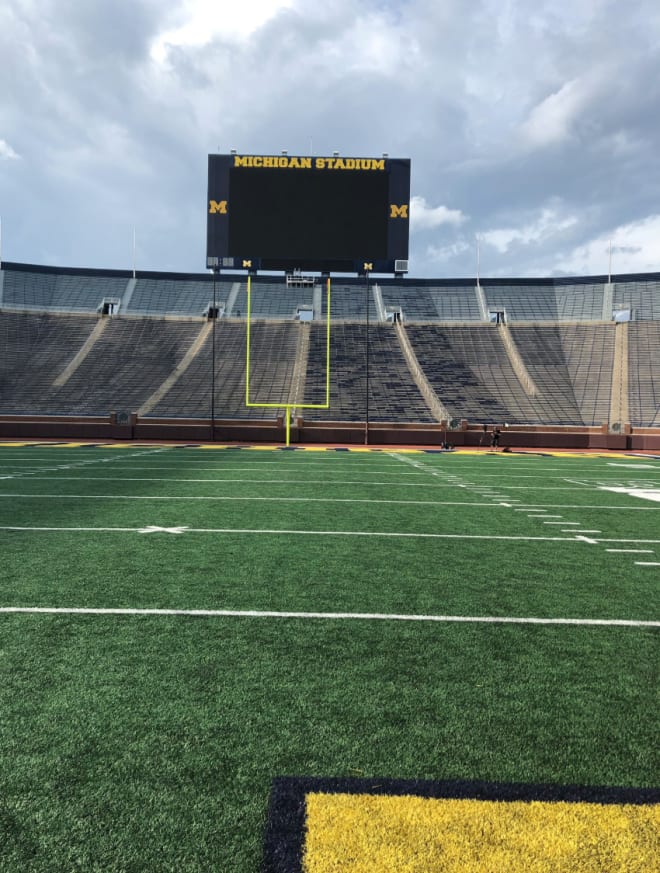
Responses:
[149,743]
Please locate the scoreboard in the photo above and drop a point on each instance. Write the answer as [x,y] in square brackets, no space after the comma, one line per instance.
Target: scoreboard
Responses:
[329,214]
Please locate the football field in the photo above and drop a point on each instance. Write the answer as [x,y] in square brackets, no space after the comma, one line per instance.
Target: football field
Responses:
[181,626]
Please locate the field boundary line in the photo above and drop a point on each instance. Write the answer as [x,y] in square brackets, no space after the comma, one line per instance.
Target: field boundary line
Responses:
[448,483]
[328,533]
[358,616]
[221,479]
[240,497]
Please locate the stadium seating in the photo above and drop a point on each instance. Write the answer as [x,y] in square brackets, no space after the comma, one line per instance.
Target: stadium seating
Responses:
[522,302]
[432,303]
[583,302]
[34,349]
[131,358]
[470,371]
[589,354]
[644,373]
[64,292]
[640,296]
[175,297]
[541,349]
[271,300]
[393,395]
[57,358]
[348,302]
[273,352]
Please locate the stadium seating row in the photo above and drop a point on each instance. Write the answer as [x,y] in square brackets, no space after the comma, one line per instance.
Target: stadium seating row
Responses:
[545,300]
[78,364]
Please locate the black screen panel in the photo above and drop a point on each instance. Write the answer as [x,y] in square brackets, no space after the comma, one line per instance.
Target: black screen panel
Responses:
[279,212]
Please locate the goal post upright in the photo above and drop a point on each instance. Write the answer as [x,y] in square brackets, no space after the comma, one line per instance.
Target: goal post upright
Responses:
[287,406]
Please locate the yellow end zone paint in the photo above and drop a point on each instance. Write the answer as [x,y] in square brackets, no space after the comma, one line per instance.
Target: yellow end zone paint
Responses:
[65,445]
[531,453]
[378,833]
[118,446]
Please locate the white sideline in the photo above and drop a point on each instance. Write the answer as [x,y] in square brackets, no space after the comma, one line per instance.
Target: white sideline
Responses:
[364,616]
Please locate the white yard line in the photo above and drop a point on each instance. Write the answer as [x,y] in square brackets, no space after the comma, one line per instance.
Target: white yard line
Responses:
[261,482]
[528,507]
[219,468]
[541,514]
[329,533]
[37,496]
[360,616]
[632,551]
[545,488]
[293,532]
[265,482]
[110,459]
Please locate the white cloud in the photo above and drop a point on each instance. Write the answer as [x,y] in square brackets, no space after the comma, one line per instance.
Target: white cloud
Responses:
[201,21]
[547,225]
[424,217]
[635,249]
[553,119]
[7,152]
[446,253]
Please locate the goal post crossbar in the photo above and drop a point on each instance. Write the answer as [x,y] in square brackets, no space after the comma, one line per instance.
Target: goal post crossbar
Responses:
[287,406]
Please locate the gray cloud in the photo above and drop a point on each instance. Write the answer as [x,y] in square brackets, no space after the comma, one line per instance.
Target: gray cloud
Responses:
[538,129]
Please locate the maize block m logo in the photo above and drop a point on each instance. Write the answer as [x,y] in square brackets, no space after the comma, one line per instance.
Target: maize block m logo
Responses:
[218,206]
[398,211]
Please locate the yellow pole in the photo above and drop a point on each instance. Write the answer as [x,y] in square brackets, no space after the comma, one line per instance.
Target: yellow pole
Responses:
[247,356]
[327,353]
[288,425]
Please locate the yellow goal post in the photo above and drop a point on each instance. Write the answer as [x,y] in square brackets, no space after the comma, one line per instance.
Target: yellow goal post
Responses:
[287,406]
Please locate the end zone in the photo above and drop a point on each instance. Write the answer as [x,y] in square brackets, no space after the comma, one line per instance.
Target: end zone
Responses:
[369,825]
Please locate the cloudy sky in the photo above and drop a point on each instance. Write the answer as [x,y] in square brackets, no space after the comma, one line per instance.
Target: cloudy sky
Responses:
[532,125]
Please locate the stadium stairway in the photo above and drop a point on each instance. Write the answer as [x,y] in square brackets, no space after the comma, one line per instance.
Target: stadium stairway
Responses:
[434,403]
[517,362]
[619,394]
[300,367]
[82,353]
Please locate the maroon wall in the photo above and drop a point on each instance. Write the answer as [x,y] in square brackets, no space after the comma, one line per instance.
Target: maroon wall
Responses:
[60,427]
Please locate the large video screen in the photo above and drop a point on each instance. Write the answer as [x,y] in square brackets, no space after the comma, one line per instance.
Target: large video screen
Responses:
[320,213]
